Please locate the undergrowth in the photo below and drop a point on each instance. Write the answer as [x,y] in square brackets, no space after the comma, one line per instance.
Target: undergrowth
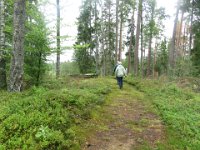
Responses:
[179,109]
[46,117]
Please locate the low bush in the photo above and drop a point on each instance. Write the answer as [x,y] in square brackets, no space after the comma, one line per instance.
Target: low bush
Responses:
[44,117]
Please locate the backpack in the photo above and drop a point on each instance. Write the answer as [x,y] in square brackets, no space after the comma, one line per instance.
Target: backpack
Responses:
[120,71]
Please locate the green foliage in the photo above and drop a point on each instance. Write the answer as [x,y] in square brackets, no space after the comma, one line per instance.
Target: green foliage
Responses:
[125,7]
[36,46]
[178,109]
[44,118]
[107,38]
[83,58]
[36,42]
[196,51]
[162,60]
[68,68]
[193,8]
[85,44]
[184,67]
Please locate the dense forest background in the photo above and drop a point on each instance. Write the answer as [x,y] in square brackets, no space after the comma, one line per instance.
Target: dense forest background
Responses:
[106,29]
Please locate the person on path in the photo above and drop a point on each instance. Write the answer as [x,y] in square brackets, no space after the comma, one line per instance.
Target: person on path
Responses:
[120,72]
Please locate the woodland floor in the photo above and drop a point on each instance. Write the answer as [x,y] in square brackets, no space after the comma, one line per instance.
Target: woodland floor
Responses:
[127,122]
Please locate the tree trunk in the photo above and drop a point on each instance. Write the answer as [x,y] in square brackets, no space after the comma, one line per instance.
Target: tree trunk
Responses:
[154,64]
[172,50]
[58,40]
[137,38]
[141,59]
[3,83]
[131,44]
[191,22]
[117,23]
[179,39]
[39,68]
[109,52]
[149,57]
[17,61]
[96,41]
[150,43]
[120,40]
[184,40]
[90,32]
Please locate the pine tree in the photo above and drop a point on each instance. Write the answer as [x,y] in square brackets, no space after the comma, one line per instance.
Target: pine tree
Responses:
[125,7]
[108,38]
[117,26]
[85,43]
[152,5]
[172,51]
[136,60]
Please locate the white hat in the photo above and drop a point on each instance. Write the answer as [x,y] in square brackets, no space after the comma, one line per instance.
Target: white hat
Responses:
[119,62]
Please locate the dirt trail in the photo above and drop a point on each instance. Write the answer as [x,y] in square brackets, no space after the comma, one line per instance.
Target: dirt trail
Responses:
[130,124]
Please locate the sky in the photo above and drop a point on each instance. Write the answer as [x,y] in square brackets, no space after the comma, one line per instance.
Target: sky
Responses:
[70,12]
[170,8]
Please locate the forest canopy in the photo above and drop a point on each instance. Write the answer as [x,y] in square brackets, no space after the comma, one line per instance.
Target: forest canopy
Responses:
[106,30]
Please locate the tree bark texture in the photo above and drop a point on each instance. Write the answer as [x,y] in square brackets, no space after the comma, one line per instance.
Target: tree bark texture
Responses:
[131,44]
[96,42]
[137,38]
[191,22]
[155,72]
[117,23]
[150,43]
[58,40]
[17,60]
[142,45]
[172,50]
[3,83]
[120,40]
[180,37]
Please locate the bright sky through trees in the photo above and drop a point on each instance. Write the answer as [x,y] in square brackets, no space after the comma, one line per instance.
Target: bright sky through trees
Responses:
[70,11]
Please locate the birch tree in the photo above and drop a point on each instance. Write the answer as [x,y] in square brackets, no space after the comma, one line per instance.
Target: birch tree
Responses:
[17,60]
[2,47]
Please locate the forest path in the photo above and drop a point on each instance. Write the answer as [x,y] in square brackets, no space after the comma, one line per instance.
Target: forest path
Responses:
[126,122]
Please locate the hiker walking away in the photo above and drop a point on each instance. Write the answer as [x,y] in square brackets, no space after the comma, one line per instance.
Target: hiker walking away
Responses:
[120,72]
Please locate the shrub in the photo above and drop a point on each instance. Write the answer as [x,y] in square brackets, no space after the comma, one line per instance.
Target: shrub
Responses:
[43,118]
[179,109]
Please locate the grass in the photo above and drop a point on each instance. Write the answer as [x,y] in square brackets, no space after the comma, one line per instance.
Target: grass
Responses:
[63,113]
[179,109]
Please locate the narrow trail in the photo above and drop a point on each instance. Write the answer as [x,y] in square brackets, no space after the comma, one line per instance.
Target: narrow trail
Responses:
[129,123]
